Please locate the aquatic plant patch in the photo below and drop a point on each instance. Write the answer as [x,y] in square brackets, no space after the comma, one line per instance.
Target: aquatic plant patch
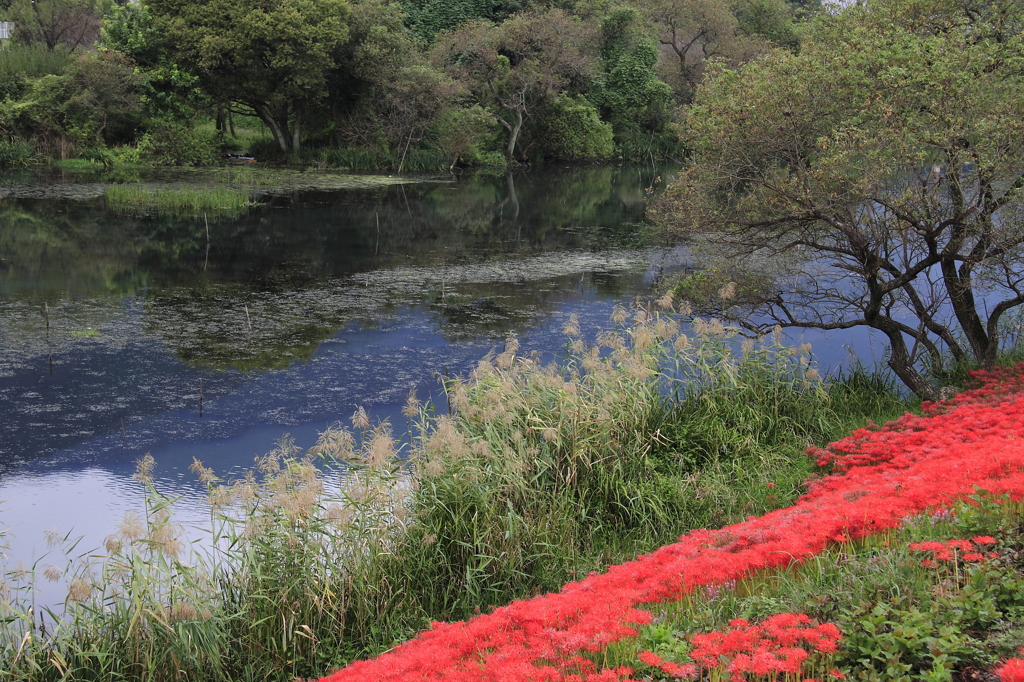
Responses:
[881,476]
[141,200]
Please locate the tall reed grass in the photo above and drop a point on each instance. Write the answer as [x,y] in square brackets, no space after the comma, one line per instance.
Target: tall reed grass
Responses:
[539,473]
[140,200]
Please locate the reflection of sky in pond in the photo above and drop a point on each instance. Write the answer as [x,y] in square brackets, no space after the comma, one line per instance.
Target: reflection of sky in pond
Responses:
[86,486]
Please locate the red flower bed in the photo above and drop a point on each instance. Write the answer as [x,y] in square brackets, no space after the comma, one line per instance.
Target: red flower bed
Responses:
[780,645]
[947,551]
[1011,671]
[909,466]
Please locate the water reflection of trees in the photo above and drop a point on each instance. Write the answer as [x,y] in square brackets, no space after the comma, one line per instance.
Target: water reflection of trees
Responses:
[265,290]
[496,310]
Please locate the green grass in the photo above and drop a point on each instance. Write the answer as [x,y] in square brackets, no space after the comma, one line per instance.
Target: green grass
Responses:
[140,200]
[901,619]
[539,474]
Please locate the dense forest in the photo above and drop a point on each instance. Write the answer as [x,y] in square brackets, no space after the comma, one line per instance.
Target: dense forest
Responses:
[416,84]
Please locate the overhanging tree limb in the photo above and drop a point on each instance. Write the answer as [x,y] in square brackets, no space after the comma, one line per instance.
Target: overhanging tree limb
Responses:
[901,190]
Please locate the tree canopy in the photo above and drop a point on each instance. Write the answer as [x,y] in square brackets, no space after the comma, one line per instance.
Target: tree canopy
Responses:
[887,156]
[518,65]
[273,56]
[374,83]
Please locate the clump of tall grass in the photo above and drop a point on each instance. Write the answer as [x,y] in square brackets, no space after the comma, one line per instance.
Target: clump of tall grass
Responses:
[15,153]
[539,473]
[33,60]
[367,159]
[21,62]
[142,608]
[141,201]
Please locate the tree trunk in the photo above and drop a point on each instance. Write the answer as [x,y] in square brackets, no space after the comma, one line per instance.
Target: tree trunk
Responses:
[901,365]
[296,132]
[961,298]
[514,134]
[276,130]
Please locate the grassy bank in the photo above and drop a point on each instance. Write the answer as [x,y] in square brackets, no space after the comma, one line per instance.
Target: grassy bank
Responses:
[940,598]
[538,475]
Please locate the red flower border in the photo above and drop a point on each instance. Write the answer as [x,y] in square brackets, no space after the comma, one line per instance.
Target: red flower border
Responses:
[907,467]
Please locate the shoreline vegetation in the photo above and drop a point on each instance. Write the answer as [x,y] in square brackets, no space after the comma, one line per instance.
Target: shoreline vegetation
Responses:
[366,84]
[902,563]
[538,476]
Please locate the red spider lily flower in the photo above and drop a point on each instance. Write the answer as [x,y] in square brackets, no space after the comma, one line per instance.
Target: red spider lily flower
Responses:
[983,540]
[941,550]
[650,658]
[682,671]
[775,646]
[1011,671]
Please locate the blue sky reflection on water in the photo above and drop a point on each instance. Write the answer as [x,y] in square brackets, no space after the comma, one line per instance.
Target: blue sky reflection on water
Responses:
[87,486]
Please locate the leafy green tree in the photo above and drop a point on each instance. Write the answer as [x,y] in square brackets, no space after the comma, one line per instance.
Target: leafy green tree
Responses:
[427,18]
[459,132]
[273,57]
[695,32]
[631,95]
[774,20]
[384,92]
[886,159]
[171,90]
[516,67]
[572,129]
[73,24]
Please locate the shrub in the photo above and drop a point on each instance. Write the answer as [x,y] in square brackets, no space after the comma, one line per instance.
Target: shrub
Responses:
[572,130]
[173,144]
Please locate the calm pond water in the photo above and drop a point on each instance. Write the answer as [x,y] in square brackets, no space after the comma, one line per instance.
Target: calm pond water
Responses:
[211,338]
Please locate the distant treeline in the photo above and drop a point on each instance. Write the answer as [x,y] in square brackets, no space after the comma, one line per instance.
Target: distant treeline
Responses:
[368,83]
